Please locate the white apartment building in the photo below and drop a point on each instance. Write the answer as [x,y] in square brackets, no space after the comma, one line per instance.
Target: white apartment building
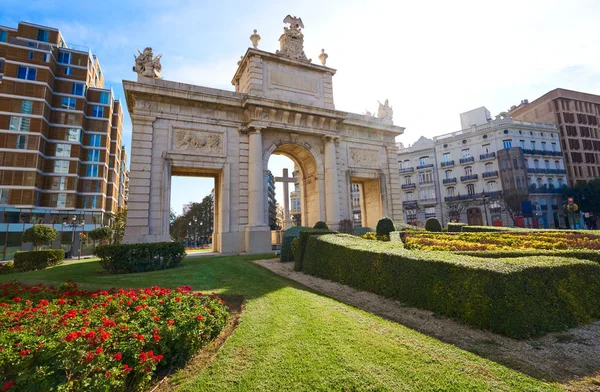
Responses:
[462,176]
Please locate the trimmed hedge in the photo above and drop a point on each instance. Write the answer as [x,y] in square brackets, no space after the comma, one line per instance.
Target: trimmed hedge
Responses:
[455,227]
[359,231]
[127,258]
[321,226]
[482,229]
[37,259]
[519,297]
[434,225]
[286,242]
[582,254]
[384,227]
[302,241]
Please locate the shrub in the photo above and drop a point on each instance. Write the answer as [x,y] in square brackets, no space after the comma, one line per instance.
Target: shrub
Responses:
[359,231]
[369,236]
[126,258]
[346,226]
[432,224]
[104,233]
[113,340]
[592,255]
[302,241]
[321,226]
[295,247]
[384,227]
[406,226]
[286,242]
[37,234]
[482,229]
[7,268]
[519,297]
[455,227]
[444,230]
[37,259]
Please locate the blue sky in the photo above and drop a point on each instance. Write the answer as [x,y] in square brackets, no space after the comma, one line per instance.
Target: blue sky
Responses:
[433,59]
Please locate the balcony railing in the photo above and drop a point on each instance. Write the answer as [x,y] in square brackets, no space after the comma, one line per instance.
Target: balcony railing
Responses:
[447,164]
[490,174]
[409,186]
[467,160]
[544,189]
[495,210]
[430,215]
[425,182]
[426,166]
[449,180]
[546,171]
[432,200]
[472,177]
[409,204]
[544,207]
[473,196]
[488,155]
[407,170]
[542,152]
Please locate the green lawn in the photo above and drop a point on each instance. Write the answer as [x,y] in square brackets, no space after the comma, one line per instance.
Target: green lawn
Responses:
[293,339]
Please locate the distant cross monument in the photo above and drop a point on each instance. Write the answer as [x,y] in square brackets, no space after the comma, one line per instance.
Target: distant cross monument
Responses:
[287,221]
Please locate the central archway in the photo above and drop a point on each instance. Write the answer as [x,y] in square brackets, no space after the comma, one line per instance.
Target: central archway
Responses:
[310,166]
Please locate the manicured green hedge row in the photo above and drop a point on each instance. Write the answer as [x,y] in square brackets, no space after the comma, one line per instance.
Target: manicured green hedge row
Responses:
[455,227]
[482,229]
[519,297]
[592,255]
[286,242]
[37,259]
[126,258]
[302,241]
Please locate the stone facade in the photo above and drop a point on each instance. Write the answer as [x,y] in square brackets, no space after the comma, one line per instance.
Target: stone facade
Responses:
[282,104]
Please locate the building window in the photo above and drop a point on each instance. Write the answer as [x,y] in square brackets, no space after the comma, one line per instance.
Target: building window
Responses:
[26,106]
[3,36]
[553,145]
[448,174]
[19,124]
[468,171]
[408,180]
[42,35]
[95,140]
[522,144]
[547,164]
[466,153]
[557,164]
[63,150]
[518,182]
[446,157]
[486,148]
[92,170]
[97,111]
[69,103]
[427,194]
[543,146]
[536,163]
[538,182]
[423,161]
[450,191]
[533,145]
[409,196]
[68,71]
[30,56]
[471,189]
[426,178]
[27,73]
[78,89]
[507,143]
[61,167]
[94,199]
[64,57]
[104,98]
[489,167]
[560,183]
[22,142]
[94,155]
[492,186]
[3,196]
[74,135]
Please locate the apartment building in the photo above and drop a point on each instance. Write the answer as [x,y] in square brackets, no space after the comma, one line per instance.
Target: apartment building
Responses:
[61,153]
[576,115]
[469,175]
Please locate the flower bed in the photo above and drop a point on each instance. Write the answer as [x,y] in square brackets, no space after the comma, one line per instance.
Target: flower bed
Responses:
[526,240]
[70,339]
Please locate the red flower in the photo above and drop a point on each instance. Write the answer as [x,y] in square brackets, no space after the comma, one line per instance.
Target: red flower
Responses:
[140,337]
[156,318]
[17,299]
[89,356]
[24,352]
[170,322]
[142,357]
[107,374]
[156,337]
[118,356]
[8,385]
[99,350]
[61,301]
[138,308]
[199,317]
[126,368]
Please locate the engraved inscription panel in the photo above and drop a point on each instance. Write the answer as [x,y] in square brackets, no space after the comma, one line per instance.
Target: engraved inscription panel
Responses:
[293,81]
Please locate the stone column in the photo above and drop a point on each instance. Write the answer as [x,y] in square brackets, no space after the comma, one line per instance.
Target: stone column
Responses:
[258,234]
[332,193]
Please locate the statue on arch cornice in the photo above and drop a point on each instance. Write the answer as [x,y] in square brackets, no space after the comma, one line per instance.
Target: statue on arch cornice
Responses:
[385,113]
[291,41]
[147,65]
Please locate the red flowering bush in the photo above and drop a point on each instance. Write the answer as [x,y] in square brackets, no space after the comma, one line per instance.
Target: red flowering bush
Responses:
[69,339]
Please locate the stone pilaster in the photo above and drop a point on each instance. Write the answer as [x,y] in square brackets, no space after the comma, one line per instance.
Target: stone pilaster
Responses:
[332,194]
[258,235]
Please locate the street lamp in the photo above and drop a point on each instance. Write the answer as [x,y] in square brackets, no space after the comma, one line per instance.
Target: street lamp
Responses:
[73,225]
[485,208]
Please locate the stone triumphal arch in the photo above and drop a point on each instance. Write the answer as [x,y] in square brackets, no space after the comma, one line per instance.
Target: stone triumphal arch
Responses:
[282,104]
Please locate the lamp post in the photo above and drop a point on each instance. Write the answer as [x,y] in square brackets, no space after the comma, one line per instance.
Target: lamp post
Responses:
[485,208]
[189,233]
[73,225]
[202,232]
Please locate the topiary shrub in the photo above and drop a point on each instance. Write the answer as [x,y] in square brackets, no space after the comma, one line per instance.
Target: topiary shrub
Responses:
[37,259]
[38,234]
[432,224]
[455,227]
[482,229]
[126,258]
[346,226]
[321,226]
[104,233]
[384,227]
[295,247]
[302,240]
[286,242]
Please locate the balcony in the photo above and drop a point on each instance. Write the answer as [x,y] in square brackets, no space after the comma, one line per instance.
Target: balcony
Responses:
[544,207]
[409,186]
[490,174]
[473,196]
[447,164]
[495,210]
[544,189]
[546,171]
[409,204]
[489,155]
[430,215]
[464,161]
[426,202]
[425,183]
[472,177]
[407,170]
[542,152]
[447,181]
[426,166]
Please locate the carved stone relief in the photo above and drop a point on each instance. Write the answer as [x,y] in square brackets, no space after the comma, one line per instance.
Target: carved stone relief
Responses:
[363,158]
[193,141]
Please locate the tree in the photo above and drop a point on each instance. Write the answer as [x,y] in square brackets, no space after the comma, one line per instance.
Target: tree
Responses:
[38,234]
[454,208]
[196,223]
[587,196]
[412,210]
[280,217]
[120,220]
[510,202]
[297,219]
[104,233]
